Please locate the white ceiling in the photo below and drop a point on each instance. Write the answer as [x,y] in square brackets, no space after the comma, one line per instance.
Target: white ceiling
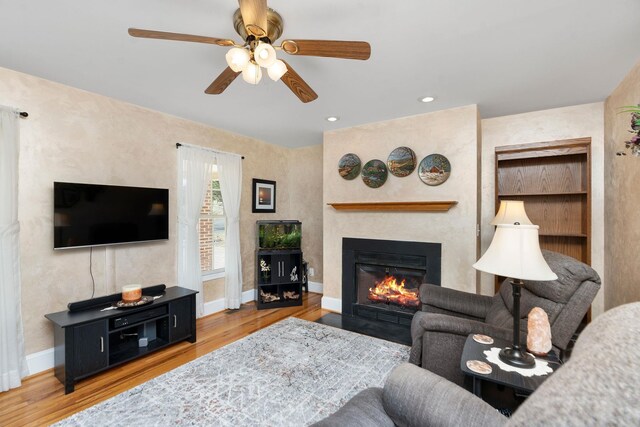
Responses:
[507,56]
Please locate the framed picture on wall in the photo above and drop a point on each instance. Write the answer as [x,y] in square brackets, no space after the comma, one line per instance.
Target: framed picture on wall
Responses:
[264,196]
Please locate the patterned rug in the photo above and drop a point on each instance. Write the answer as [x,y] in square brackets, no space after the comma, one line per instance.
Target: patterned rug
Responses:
[292,373]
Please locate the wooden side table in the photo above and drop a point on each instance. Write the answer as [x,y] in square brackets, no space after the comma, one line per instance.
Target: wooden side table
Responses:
[523,385]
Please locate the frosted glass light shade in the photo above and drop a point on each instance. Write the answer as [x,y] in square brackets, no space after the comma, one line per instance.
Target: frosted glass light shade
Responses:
[237,58]
[252,73]
[264,55]
[515,252]
[277,70]
[510,212]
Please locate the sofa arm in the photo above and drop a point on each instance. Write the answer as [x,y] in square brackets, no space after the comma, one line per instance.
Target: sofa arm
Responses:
[454,301]
[438,341]
[363,410]
[423,322]
[413,396]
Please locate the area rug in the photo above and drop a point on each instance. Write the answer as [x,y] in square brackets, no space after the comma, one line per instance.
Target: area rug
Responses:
[292,373]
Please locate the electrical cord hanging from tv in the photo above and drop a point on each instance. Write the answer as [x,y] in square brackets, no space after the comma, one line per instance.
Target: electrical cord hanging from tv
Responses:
[93,291]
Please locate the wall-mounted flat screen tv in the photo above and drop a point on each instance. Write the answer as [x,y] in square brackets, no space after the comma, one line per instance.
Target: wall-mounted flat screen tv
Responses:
[96,215]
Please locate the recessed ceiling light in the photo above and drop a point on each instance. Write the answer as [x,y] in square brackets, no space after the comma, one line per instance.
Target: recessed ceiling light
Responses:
[333,118]
[426,99]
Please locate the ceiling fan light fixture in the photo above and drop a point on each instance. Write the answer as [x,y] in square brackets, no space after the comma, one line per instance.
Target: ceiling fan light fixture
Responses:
[277,70]
[264,55]
[252,73]
[237,59]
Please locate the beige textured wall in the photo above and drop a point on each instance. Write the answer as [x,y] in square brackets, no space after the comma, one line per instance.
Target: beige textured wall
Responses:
[305,185]
[622,175]
[548,125]
[73,135]
[452,133]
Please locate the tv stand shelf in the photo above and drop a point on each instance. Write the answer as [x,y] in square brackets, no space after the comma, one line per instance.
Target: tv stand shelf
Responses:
[90,341]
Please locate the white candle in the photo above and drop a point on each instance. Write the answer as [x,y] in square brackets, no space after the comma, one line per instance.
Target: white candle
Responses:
[131,293]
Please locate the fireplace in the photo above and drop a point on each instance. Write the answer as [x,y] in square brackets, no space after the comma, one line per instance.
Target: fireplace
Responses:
[381,278]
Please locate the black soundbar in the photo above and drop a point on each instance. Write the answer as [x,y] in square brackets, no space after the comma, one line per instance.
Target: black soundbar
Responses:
[109,299]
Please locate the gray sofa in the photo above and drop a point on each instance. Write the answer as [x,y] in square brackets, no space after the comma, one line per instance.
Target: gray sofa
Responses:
[449,316]
[598,386]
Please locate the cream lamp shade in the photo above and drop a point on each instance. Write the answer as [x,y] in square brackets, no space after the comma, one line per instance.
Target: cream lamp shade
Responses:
[277,70]
[264,55]
[511,212]
[237,59]
[515,252]
[252,73]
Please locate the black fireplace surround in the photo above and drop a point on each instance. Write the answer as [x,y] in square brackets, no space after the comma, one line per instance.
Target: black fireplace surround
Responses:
[369,259]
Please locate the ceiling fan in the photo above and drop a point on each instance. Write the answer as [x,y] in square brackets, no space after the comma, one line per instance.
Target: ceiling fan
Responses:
[260,26]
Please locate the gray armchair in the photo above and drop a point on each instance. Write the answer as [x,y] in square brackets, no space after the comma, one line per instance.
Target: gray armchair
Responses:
[449,316]
[598,386]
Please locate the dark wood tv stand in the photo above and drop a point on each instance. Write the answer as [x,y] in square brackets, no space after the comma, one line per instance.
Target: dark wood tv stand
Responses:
[90,341]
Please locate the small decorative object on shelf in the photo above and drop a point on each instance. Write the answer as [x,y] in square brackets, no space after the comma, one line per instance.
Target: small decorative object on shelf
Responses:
[265,269]
[538,332]
[131,293]
[290,295]
[634,143]
[268,297]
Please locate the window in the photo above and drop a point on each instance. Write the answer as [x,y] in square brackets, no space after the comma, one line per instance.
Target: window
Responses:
[212,231]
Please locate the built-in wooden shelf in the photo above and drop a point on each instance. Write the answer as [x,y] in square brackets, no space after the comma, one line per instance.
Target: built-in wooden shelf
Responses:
[439,206]
[581,235]
[563,193]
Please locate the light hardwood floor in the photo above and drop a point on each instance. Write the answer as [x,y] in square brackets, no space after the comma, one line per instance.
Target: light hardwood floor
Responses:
[41,400]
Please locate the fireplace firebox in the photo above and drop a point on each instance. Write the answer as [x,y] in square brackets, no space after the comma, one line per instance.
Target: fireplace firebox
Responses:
[381,278]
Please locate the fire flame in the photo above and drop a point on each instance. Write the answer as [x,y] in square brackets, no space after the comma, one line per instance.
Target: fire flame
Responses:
[389,291]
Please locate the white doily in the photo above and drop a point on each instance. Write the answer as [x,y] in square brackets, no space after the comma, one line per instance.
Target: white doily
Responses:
[541,368]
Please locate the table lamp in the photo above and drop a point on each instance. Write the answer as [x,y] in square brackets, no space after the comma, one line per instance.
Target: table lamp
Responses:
[515,252]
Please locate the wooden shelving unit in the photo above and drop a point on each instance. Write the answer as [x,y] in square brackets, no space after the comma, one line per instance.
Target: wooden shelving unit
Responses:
[554,181]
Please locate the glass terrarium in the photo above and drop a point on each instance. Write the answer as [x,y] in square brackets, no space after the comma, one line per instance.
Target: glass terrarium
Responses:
[279,234]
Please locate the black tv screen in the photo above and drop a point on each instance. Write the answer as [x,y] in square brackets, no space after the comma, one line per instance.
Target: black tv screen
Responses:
[95,215]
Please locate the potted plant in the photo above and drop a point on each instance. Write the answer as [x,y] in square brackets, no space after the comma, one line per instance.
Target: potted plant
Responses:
[634,143]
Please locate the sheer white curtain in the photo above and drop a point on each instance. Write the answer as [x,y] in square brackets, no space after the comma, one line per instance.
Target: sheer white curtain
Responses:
[195,167]
[230,175]
[13,365]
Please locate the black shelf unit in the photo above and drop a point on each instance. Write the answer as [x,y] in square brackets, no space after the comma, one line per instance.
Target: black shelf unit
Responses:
[91,341]
[279,271]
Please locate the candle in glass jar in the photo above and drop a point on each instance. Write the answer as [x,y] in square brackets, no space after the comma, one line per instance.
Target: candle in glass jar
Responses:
[131,293]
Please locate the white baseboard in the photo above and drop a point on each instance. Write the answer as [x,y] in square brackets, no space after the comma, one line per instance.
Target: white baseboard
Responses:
[40,361]
[333,304]
[315,287]
[218,305]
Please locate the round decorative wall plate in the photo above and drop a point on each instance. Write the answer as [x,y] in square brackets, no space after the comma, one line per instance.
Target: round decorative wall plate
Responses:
[374,173]
[349,166]
[434,169]
[401,162]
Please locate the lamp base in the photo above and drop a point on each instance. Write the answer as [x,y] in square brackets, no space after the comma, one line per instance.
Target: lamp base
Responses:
[516,357]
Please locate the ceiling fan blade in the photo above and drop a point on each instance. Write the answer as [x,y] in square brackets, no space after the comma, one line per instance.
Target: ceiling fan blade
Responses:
[328,48]
[298,86]
[150,34]
[222,82]
[254,15]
